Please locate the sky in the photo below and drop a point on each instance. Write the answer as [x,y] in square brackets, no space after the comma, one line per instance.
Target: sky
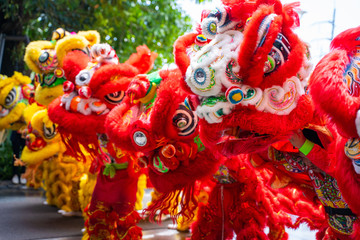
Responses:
[315,27]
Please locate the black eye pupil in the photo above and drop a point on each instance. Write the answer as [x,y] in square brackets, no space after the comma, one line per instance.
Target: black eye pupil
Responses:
[43,57]
[10,98]
[82,78]
[200,74]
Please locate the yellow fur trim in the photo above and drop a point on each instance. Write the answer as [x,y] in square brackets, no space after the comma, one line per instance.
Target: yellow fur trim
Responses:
[20,79]
[33,157]
[140,192]
[40,120]
[30,110]
[5,90]
[92,36]
[86,188]
[6,81]
[45,95]
[14,116]
[68,44]
[32,53]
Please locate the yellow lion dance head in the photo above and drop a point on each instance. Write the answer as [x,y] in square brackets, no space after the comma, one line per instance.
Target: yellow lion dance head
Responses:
[14,94]
[42,138]
[45,59]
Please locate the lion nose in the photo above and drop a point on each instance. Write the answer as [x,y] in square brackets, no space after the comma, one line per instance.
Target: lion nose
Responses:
[168,151]
[85,92]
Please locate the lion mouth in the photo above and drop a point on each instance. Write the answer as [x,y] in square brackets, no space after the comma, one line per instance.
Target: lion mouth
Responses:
[236,141]
[236,133]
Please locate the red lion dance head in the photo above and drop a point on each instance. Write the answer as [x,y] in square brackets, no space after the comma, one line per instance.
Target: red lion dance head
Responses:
[166,132]
[247,70]
[334,86]
[94,87]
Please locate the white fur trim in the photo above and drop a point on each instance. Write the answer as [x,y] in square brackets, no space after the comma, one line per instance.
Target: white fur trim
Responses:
[357,122]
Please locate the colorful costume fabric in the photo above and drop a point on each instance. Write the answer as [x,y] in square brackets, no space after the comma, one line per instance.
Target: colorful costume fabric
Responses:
[15,93]
[93,87]
[336,75]
[165,131]
[45,58]
[247,71]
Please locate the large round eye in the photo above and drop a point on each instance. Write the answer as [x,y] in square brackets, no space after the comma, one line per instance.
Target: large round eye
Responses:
[115,97]
[47,60]
[140,138]
[50,132]
[83,78]
[209,27]
[202,79]
[185,120]
[44,57]
[200,76]
[11,98]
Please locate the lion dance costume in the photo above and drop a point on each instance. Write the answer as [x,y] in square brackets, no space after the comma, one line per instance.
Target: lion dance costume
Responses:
[93,87]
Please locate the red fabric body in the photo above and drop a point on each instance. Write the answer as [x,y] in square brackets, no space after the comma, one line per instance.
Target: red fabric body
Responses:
[118,192]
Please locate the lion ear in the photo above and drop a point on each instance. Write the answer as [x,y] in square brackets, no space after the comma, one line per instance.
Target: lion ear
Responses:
[68,44]
[33,51]
[143,59]
[73,63]
[92,36]
[59,33]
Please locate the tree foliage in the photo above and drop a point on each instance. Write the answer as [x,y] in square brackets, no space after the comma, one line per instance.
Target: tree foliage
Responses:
[124,24]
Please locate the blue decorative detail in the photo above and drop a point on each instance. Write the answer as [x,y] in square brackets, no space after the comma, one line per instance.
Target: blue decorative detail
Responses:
[215,13]
[235,95]
[187,104]
[200,76]
[201,38]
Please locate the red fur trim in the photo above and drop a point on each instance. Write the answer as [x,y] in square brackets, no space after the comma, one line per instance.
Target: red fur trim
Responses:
[77,129]
[181,44]
[118,124]
[116,76]
[291,17]
[182,60]
[171,202]
[347,40]
[252,60]
[143,59]
[75,123]
[277,127]
[73,63]
[249,43]
[356,232]
[330,94]
[169,96]
[201,167]
[293,198]
[182,181]
[275,3]
[293,64]
[347,179]
[239,10]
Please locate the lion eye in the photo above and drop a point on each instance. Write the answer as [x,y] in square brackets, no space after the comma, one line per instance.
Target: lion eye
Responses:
[115,97]
[50,132]
[185,120]
[11,97]
[84,77]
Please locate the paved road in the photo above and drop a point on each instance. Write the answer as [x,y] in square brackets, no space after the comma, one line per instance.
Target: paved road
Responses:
[23,216]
